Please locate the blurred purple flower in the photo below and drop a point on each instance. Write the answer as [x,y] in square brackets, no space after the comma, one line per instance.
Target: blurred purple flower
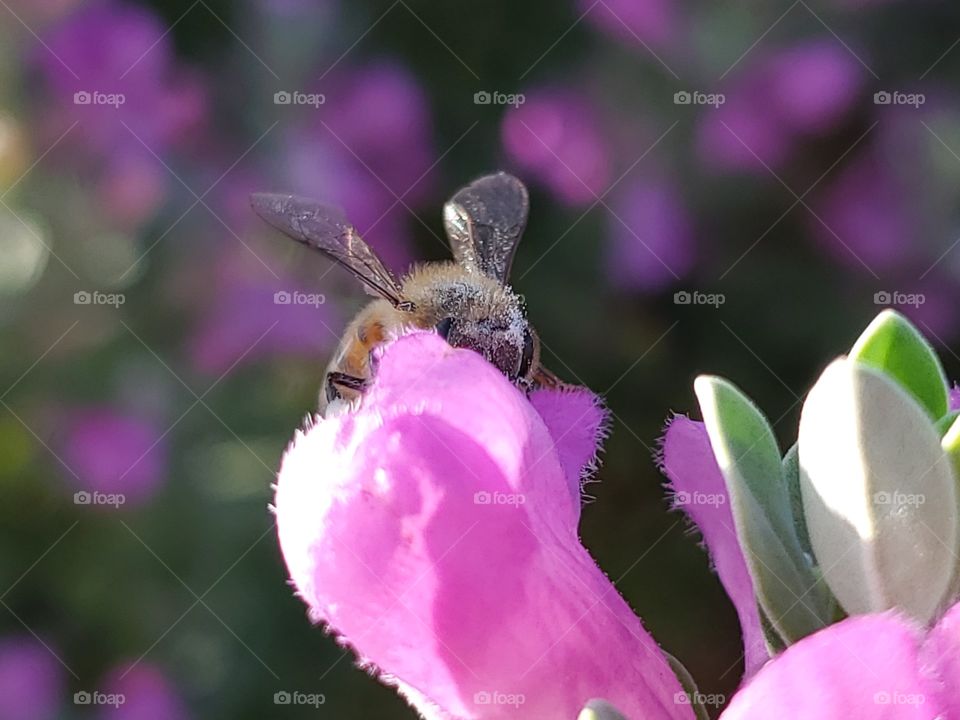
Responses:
[955,397]
[556,137]
[806,89]
[877,666]
[111,451]
[371,144]
[687,459]
[31,680]
[934,305]
[434,529]
[147,695]
[110,67]
[645,22]
[861,217]
[657,245]
[249,317]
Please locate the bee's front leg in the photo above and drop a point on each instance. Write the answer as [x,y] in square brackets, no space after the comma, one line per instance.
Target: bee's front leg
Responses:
[338,380]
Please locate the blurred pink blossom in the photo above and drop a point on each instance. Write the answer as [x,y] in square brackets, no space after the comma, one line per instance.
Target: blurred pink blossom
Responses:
[110,67]
[32,683]
[651,237]
[643,22]
[370,149]
[775,100]
[556,137]
[861,216]
[249,316]
[434,530]
[148,694]
[108,450]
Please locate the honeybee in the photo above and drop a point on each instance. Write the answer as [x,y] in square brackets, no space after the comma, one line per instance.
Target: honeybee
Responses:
[467,301]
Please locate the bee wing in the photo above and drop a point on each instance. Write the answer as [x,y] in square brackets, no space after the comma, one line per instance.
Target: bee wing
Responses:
[484,222]
[326,228]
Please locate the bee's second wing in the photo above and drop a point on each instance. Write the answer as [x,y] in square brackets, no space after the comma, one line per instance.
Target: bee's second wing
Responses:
[325,228]
[484,222]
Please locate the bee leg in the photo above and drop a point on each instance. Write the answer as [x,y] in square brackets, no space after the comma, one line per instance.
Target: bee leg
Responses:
[349,382]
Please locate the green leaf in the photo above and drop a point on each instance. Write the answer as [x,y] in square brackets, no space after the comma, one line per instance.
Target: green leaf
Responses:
[791,477]
[946,422]
[894,346]
[691,694]
[879,493]
[793,598]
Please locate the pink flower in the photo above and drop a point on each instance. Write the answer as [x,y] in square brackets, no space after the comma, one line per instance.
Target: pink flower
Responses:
[147,695]
[110,451]
[687,460]
[878,666]
[556,137]
[433,528]
[31,680]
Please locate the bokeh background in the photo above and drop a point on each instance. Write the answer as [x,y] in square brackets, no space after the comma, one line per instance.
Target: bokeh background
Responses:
[716,186]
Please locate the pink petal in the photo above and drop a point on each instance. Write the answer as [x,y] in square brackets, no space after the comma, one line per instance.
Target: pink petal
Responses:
[434,530]
[699,490]
[863,667]
[941,652]
[577,422]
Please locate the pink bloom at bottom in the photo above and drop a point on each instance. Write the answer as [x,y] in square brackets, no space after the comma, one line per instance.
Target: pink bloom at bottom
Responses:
[434,529]
[874,667]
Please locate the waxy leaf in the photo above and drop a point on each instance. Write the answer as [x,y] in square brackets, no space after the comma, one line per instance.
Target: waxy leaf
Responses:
[879,493]
[790,595]
[893,345]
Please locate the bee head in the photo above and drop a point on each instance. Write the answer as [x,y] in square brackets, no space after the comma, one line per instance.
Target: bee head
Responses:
[505,340]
